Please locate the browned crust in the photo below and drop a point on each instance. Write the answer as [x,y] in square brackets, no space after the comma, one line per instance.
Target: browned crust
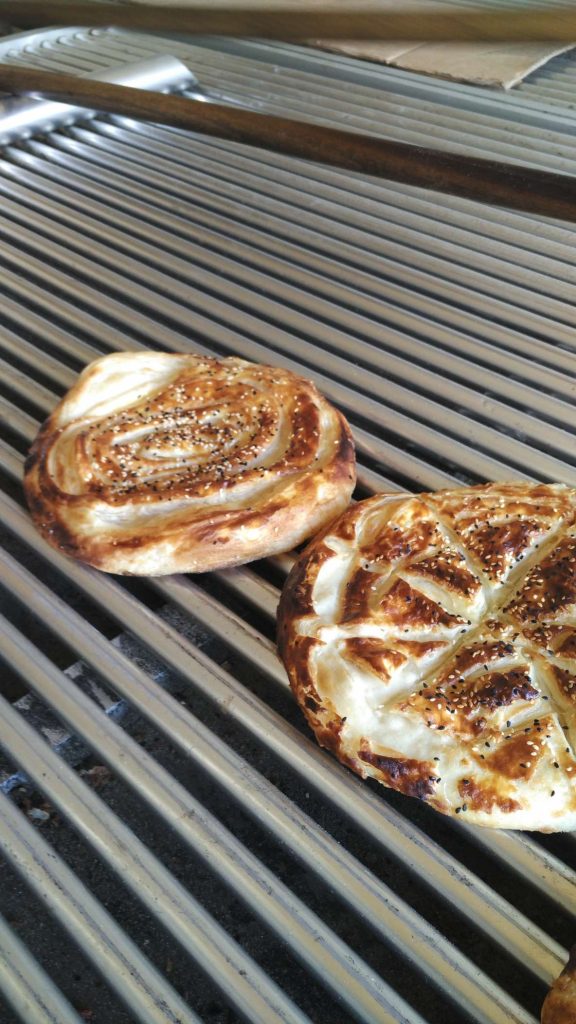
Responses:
[296,597]
[302,496]
[560,1003]
[405,774]
[481,711]
[322,717]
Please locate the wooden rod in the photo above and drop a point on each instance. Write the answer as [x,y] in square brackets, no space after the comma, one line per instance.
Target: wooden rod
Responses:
[427,22]
[521,188]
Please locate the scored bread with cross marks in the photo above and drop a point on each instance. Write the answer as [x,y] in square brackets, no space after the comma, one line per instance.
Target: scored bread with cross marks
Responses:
[431,642]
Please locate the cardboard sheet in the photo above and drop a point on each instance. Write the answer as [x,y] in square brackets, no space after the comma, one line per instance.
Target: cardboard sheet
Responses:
[496,65]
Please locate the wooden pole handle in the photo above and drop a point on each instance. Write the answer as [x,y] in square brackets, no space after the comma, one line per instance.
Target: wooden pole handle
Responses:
[538,192]
[419,23]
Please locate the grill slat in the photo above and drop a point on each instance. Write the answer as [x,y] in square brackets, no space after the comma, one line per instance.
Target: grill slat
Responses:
[439,326]
[372,481]
[322,211]
[327,229]
[18,421]
[28,389]
[444,364]
[406,298]
[567,336]
[251,77]
[250,990]
[484,908]
[518,453]
[410,302]
[373,901]
[26,985]
[367,998]
[479,136]
[40,327]
[548,873]
[423,434]
[521,106]
[104,942]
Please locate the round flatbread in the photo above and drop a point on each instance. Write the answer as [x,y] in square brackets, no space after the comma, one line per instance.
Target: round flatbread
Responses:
[431,643]
[156,463]
[560,1003]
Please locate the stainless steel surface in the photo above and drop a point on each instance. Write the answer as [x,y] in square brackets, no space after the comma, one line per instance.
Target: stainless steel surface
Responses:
[445,331]
[149,996]
[30,990]
[19,118]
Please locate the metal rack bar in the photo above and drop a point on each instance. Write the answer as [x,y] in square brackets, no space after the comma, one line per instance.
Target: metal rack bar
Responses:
[26,985]
[445,331]
[471,896]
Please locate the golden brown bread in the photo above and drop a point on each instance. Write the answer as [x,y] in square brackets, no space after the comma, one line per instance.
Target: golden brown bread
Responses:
[156,463]
[431,643]
[560,1003]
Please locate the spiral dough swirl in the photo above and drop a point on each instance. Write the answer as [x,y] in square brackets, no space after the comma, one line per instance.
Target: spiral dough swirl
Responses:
[156,463]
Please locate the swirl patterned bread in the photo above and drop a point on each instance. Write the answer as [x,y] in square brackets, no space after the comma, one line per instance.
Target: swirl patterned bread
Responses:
[431,643]
[560,1003]
[157,463]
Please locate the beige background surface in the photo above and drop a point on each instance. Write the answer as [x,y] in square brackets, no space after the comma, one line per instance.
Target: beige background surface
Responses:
[498,65]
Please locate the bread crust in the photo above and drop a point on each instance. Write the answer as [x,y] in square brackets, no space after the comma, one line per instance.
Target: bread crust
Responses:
[156,463]
[560,1003]
[430,641]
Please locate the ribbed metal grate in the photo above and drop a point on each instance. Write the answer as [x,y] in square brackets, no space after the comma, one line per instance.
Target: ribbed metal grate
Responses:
[227,869]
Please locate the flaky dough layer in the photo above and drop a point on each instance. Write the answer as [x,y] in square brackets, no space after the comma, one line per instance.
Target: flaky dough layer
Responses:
[156,463]
[431,643]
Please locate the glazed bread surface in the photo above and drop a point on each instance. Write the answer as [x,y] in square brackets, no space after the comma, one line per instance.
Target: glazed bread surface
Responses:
[431,643]
[156,463]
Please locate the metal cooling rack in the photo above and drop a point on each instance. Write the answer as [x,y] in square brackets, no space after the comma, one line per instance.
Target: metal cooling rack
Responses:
[228,869]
